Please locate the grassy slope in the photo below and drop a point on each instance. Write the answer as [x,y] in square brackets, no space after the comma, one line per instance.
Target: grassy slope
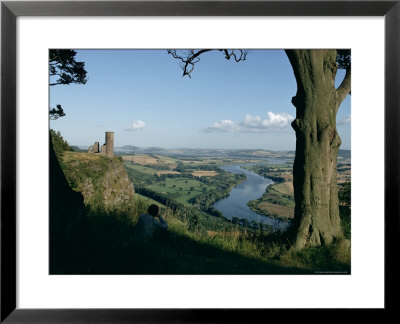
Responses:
[110,248]
[209,246]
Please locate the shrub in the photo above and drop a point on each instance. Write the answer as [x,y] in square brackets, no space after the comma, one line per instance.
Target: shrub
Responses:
[59,144]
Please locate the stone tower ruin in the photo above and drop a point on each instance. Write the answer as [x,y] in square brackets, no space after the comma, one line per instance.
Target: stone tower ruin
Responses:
[109,144]
[107,149]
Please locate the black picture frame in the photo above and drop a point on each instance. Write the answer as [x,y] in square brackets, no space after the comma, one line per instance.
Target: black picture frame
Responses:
[10,10]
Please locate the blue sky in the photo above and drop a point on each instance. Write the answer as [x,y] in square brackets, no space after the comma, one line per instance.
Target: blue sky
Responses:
[142,97]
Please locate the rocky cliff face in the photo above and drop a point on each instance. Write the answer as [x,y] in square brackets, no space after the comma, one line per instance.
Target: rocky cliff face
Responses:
[102,181]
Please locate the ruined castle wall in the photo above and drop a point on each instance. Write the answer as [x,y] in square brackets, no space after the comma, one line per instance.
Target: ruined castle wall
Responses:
[94,148]
[107,149]
[103,150]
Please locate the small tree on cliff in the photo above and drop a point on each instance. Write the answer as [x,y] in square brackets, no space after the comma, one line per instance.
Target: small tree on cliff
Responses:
[64,69]
[317,100]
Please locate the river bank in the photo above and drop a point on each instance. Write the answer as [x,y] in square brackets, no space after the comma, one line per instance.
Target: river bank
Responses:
[278,199]
[235,207]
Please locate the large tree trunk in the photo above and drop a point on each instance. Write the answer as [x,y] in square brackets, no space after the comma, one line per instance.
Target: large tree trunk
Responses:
[316,219]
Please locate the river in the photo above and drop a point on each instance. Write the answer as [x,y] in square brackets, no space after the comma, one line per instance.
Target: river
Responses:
[235,205]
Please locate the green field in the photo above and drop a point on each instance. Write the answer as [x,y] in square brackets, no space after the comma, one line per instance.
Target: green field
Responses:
[181,189]
[165,159]
[141,168]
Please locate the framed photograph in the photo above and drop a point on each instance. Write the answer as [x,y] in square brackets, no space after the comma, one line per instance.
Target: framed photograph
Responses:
[188,144]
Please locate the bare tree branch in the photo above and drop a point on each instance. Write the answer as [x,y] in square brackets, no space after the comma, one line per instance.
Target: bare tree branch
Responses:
[242,57]
[56,83]
[344,88]
[191,57]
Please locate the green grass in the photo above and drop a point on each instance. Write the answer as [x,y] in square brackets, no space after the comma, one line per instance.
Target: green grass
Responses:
[109,247]
[180,188]
[274,203]
[277,197]
[263,168]
[285,188]
[148,201]
[141,168]
[166,159]
[326,259]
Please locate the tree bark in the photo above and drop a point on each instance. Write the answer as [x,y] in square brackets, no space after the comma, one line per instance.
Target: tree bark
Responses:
[316,220]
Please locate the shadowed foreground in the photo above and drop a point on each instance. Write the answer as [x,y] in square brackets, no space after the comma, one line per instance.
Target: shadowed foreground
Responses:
[104,252]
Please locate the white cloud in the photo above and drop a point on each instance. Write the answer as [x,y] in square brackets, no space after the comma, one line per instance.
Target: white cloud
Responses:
[137,125]
[344,121]
[223,126]
[253,123]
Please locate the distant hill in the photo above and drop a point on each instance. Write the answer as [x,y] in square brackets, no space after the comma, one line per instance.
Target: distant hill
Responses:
[75,148]
[345,154]
[238,153]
